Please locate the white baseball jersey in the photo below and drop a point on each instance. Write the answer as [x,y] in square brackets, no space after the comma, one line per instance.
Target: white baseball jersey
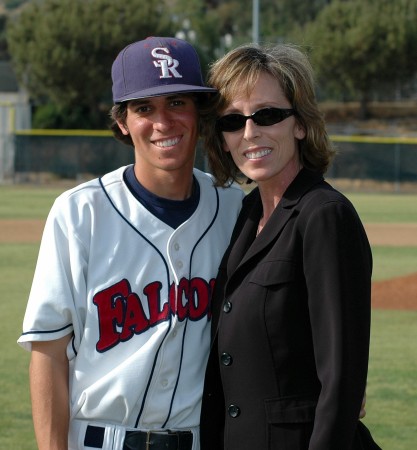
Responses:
[135,293]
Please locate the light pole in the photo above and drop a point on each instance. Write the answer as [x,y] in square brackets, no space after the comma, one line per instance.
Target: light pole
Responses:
[255,21]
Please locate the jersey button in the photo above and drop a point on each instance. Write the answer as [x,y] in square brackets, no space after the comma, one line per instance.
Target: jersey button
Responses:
[227,307]
[164,383]
[234,411]
[176,246]
[226,359]
[179,264]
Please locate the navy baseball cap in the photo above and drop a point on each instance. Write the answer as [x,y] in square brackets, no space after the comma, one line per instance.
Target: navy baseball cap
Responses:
[156,66]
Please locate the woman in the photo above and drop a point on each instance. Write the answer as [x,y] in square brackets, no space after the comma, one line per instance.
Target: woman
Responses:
[291,308]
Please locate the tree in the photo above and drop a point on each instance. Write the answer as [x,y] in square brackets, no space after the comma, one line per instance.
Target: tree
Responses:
[208,22]
[364,46]
[278,18]
[4,55]
[62,51]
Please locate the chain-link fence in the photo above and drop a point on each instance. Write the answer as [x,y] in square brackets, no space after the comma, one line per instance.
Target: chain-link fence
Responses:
[375,163]
[362,162]
[39,157]
[50,154]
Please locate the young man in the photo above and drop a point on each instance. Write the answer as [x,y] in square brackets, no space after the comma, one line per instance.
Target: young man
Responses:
[117,319]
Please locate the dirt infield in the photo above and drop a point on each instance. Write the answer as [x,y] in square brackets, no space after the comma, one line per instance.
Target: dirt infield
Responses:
[393,234]
[398,293]
[23,231]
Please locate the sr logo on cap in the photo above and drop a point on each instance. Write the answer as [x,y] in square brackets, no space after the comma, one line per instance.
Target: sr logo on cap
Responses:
[156,66]
[167,64]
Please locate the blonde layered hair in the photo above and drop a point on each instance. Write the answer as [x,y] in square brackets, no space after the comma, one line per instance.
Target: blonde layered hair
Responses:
[236,73]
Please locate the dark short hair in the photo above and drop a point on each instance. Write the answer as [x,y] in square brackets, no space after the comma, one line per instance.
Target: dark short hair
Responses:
[118,113]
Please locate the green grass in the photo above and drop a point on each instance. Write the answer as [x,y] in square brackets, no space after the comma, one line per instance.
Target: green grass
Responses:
[392,391]
[34,202]
[391,262]
[385,208]
[17,263]
[26,202]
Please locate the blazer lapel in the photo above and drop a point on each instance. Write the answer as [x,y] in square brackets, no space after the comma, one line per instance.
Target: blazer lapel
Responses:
[246,248]
[245,231]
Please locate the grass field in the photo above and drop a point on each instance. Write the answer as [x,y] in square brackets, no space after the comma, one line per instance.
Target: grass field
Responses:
[385,208]
[23,202]
[392,391]
[392,388]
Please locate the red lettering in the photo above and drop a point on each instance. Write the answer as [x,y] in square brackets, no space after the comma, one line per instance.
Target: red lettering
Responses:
[121,314]
[198,299]
[182,300]
[135,319]
[110,304]
[156,314]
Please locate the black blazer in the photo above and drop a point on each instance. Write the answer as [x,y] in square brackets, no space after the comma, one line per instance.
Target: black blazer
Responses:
[291,326]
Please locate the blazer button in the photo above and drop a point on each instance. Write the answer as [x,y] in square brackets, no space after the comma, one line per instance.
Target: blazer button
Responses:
[227,307]
[226,359]
[234,411]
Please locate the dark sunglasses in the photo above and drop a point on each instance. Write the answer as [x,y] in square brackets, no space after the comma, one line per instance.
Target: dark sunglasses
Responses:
[264,117]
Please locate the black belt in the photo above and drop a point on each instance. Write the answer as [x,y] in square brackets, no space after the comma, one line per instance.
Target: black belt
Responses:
[143,440]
